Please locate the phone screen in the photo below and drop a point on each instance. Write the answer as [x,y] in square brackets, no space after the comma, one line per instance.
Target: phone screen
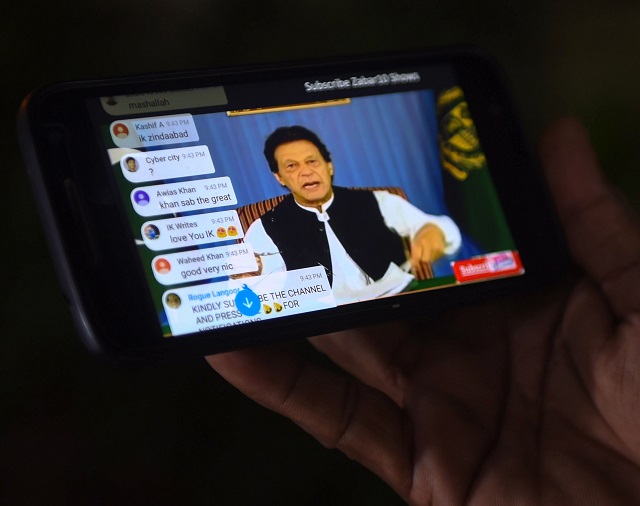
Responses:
[254,201]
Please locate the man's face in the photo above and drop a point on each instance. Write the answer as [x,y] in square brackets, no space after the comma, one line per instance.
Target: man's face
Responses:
[303,170]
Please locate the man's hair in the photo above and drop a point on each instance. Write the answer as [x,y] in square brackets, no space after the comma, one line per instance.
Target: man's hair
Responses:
[284,135]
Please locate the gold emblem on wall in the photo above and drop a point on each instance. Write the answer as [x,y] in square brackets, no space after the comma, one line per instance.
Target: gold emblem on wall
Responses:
[459,144]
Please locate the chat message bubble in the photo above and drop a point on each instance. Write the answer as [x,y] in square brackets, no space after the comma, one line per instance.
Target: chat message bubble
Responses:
[186,196]
[176,268]
[163,101]
[234,302]
[167,164]
[153,131]
[192,230]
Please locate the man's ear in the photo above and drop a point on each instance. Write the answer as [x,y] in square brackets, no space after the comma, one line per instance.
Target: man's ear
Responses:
[278,178]
[330,165]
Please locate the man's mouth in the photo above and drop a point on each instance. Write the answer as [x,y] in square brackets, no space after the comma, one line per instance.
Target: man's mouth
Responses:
[311,185]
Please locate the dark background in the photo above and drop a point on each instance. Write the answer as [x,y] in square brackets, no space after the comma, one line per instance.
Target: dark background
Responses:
[74,430]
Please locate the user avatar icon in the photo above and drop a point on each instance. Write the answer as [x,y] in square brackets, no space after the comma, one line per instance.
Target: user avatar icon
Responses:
[141,198]
[132,165]
[120,130]
[162,266]
[173,300]
[151,232]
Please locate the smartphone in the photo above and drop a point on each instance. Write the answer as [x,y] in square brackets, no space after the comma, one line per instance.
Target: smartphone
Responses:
[200,212]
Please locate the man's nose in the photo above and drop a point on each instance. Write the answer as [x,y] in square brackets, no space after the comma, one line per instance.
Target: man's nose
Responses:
[305,170]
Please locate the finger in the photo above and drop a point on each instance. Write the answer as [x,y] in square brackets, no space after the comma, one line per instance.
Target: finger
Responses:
[379,356]
[417,251]
[422,268]
[602,236]
[388,356]
[337,410]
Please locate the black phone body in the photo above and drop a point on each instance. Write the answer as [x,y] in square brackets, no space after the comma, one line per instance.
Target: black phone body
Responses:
[199,212]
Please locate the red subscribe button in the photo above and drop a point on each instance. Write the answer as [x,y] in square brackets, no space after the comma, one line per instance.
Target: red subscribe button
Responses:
[492,265]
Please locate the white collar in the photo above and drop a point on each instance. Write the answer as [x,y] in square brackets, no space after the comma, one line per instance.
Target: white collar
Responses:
[321,215]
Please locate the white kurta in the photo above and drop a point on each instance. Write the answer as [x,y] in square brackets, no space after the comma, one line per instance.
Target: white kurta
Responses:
[350,283]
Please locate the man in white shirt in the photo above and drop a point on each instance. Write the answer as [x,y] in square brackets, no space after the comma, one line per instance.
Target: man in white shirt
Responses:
[357,236]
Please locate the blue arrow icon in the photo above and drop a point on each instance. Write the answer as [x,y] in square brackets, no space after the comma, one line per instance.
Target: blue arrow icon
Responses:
[247,301]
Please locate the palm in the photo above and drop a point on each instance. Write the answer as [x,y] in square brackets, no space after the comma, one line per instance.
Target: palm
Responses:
[532,401]
[507,410]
